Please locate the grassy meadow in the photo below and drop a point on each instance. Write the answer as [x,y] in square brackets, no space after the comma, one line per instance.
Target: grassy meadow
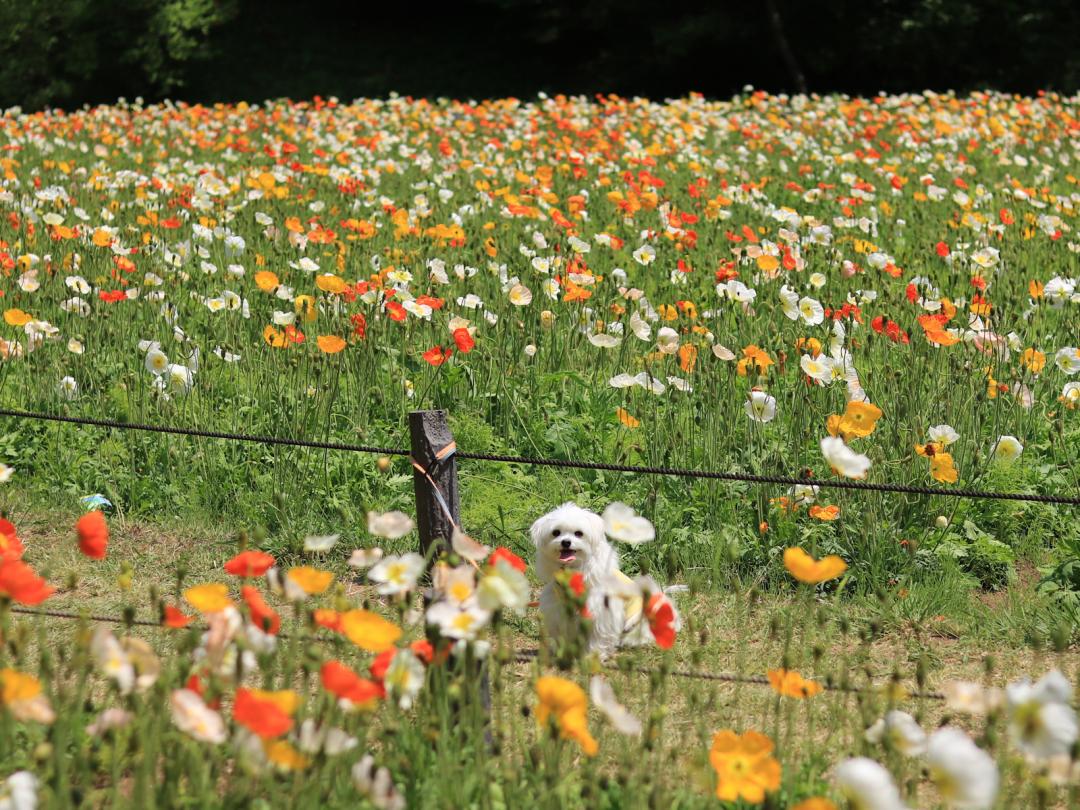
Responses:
[882,289]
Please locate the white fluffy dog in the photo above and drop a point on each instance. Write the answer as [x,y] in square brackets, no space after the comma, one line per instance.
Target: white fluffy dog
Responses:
[570,538]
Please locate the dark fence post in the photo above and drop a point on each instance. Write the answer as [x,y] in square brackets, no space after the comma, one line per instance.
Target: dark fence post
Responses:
[438,507]
[432,445]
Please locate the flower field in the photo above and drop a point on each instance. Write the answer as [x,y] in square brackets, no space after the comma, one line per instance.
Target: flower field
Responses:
[828,288]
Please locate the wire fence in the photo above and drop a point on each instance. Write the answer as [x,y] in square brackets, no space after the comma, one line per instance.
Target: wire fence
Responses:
[782,480]
[523,657]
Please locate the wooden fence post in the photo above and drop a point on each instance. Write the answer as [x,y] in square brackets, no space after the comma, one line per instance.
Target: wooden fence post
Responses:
[438,504]
[431,437]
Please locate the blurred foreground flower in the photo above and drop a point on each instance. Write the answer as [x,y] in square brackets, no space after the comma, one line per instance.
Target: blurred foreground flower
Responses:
[564,702]
[745,767]
[810,571]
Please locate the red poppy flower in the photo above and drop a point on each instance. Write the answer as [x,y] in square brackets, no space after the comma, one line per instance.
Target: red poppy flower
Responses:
[464,340]
[396,311]
[342,682]
[249,564]
[93,534]
[175,618]
[422,649]
[261,717]
[941,249]
[19,583]
[262,615]
[661,616]
[434,303]
[503,553]
[436,356]
[11,547]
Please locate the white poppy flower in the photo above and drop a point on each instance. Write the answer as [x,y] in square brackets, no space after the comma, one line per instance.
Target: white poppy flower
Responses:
[867,785]
[843,459]
[900,731]
[811,311]
[397,574]
[391,525]
[760,407]
[603,341]
[1042,723]
[965,776]
[943,435]
[603,697]
[319,543]
[667,340]
[1007,448]
[623,524]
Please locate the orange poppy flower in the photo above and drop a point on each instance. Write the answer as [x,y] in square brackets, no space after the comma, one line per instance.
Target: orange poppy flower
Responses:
[19,583]
[260,713]
[810,571]
[330,619]
[330,344]
[345,684]
[249,564]
[790,683]
[830,512]
[688,353]
[625,417]
[267,281]
[93,533]
[263,616]
[815,803]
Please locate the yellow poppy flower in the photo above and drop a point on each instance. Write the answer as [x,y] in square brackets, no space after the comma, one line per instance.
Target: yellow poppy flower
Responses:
[312,581]
[17,686]
[810,571]
[942,468]
[745,767]
[16,317]
[566,702]
[369,631]
[208,598]
[282,754]
[330,283]
[859,419]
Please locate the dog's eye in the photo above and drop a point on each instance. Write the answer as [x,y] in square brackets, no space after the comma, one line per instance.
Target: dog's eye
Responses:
[554,532]
[579,534]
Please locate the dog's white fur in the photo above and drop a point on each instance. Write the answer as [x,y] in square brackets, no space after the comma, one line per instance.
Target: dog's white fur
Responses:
[577,536]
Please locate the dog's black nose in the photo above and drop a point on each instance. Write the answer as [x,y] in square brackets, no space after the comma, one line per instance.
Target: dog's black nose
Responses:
[566,544]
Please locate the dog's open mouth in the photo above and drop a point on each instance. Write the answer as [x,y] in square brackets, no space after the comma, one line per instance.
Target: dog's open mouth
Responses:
[566,555]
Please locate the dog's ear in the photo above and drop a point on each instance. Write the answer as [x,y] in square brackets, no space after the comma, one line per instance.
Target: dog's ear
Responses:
[596,528]
[540,528]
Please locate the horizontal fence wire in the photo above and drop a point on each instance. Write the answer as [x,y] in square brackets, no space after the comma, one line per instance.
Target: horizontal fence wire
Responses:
[525,657]
[751,478]
[204,434]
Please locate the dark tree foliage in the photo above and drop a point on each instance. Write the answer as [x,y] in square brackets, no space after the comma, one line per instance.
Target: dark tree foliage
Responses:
[75,51]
